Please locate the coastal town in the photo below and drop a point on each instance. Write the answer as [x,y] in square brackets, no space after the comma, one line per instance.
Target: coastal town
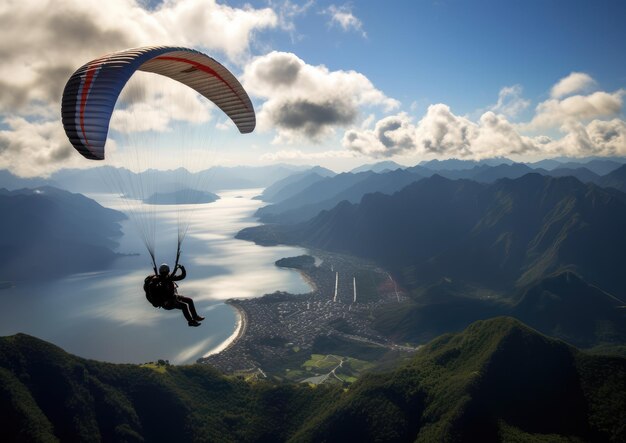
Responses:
[280,330]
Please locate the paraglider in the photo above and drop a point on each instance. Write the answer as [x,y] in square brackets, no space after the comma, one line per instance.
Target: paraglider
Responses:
[92,91]
[161,292]
[89,99]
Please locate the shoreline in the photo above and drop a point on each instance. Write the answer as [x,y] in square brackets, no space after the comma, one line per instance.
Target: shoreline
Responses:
[242,318]
[307,278]
[238,333]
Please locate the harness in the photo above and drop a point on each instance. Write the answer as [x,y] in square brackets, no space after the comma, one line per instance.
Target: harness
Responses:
[160,292]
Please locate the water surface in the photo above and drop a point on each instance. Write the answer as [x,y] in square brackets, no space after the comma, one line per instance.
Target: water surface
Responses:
[105,316]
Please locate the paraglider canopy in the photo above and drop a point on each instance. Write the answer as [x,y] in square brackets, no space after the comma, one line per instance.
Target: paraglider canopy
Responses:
[88,103]
[92,91]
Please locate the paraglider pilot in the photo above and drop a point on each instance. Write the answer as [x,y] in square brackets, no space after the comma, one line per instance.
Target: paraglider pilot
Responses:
[161,292]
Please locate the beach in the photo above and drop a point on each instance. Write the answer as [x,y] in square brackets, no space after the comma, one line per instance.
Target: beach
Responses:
[240,330]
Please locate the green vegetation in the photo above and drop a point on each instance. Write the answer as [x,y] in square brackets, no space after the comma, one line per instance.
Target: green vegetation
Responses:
[330,369]
[49,395]
[562,305]
[299,262]
[367,284]
[498,380]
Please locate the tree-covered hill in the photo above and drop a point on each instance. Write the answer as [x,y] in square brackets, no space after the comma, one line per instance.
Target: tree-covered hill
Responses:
[496,381]
[49,395]
[561,305]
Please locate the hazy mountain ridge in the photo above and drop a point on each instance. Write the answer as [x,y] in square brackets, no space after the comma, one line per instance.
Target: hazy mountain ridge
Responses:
[497,380]
[46,232]
[294,183]
[462,246]
[300,197]
[615,179]
[307,204]
[315,193]
[104,178]
[383,166]
[434,228]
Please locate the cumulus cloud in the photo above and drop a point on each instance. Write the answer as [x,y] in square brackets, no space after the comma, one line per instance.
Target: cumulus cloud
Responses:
[75,31]
[582,119]
[556,112]
[288,11]
[392,135]
[510,101]
[497,137]
[30,148]
[575,82]
[44,41]
[443,134]
[344,18]
[599,137]
[305,101]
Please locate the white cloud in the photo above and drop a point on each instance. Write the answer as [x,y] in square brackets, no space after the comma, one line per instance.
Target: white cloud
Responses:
[599,137]
[510,101]
[64,34]
[575,82]
[440,133]
[392,135]
[344,18]
[443,134]
[44,41]
[225,125]
[497,137]
[34,148]
[368,121]
[288,11]
[305,101]
[555,112]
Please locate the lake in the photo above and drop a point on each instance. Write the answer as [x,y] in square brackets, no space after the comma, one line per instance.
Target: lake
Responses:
[105,316]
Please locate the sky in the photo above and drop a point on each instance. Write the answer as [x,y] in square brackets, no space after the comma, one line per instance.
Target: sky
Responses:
[337,84]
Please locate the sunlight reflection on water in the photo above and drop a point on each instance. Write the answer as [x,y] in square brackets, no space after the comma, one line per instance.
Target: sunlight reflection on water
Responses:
[104,315]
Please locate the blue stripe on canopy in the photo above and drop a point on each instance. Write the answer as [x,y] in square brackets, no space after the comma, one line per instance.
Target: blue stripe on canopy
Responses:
[91,92]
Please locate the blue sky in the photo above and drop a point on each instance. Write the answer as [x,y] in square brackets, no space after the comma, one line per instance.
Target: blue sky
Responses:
[462,52]
[399,80]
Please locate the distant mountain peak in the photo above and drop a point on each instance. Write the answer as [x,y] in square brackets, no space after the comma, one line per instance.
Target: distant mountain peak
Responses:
[378,167]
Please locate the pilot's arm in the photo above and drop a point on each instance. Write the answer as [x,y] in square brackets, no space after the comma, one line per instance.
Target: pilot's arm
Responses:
[183,273]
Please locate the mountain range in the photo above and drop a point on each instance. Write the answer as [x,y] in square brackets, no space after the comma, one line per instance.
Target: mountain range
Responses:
[498,380]
[501,235]
[47,232]
[293,184]
[562,305]
[108,179]
[329,191]
[542,249]
[303,195]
